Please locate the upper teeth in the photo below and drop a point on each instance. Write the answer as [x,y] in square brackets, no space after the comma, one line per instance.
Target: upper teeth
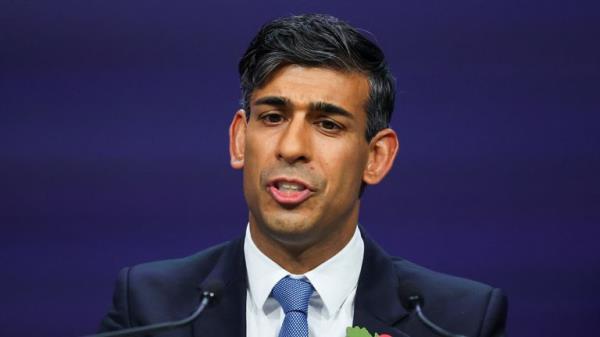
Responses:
[290,186]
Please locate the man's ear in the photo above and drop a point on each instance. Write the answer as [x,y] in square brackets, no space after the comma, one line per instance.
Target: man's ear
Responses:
[237,139]
[382,152]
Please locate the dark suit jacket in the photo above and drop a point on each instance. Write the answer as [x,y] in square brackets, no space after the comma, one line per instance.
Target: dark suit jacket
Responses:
[170,290]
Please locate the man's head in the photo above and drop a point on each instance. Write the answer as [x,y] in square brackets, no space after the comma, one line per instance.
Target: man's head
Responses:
[313,130]
[320,41]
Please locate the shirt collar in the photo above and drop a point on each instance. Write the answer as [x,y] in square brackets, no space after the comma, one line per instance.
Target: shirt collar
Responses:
[333,280]
[263,273]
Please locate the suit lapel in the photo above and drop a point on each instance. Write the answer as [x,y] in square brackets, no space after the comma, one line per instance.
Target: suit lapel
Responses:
[226,317]
[377,304]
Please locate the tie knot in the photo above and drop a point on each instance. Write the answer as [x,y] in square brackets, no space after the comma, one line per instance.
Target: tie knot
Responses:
[293,294]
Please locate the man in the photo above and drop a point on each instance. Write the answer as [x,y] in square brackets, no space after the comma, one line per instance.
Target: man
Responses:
[312,134]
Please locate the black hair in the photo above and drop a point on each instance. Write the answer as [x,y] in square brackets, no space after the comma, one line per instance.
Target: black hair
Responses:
[317,40]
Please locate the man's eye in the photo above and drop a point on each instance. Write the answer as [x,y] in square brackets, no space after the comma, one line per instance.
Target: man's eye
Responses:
[329,125]
[272,118]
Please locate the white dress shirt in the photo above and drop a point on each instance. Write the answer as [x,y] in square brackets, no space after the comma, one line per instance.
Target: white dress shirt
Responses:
[331,306]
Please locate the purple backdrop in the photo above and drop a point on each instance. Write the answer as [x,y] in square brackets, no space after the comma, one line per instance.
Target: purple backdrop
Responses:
[113,147]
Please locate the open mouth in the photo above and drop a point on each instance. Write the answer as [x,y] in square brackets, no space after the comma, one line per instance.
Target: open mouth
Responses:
[290,187]
[289,192]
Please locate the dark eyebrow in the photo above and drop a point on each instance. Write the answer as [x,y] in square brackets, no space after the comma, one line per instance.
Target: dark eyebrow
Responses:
[322,107]
[331,109]
[273,100]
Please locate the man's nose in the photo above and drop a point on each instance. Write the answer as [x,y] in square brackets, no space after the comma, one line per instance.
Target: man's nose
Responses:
[294,144]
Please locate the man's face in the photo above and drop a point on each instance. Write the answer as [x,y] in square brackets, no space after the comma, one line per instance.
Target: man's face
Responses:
[304,154]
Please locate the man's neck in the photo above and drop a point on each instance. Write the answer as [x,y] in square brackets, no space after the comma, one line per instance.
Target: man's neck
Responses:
[301,258]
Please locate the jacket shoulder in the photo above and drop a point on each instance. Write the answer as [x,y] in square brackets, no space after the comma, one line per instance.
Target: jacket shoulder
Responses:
[429,280]
[451,300]
[179,271]
[160,291]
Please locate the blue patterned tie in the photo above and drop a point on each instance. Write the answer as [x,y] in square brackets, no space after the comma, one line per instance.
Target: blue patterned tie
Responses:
[293,295]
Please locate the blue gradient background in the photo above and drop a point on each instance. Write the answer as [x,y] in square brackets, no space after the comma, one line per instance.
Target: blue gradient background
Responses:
[113,147]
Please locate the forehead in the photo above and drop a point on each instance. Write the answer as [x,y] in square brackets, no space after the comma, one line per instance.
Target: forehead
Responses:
[304,85]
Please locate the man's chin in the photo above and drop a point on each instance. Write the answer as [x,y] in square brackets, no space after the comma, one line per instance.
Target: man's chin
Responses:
[291,229]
